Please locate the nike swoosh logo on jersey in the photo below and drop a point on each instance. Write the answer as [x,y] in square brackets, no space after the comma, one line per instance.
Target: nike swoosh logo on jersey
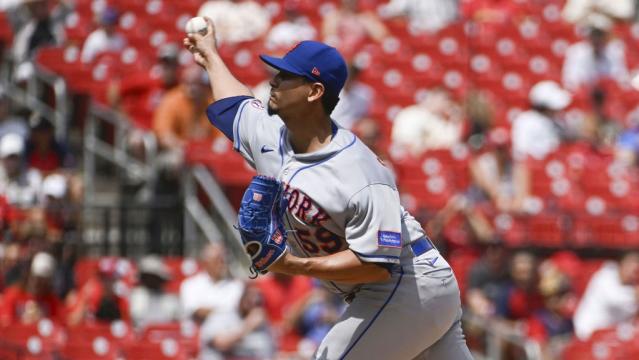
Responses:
[265,149]
[431,262]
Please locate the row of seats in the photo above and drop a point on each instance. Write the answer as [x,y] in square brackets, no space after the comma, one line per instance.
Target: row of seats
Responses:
[615,343]
[127,272]
[45,340]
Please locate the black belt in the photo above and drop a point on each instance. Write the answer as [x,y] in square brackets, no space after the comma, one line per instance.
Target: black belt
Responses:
[421,245]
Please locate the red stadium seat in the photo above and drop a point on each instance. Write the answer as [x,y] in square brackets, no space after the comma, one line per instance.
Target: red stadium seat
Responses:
[98,349]
[33,338]
[6,33]
[168,349]
[88,267]
[545,230]
[186,334]
[180,268]
[118,333]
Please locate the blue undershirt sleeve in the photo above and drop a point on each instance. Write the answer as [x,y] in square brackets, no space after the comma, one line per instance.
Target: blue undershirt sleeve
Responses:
[222,113]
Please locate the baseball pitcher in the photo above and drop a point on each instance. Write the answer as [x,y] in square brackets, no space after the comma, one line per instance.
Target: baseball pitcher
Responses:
[325,206]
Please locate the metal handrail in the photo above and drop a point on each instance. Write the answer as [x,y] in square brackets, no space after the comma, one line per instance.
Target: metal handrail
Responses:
[62,112]
[498,333]
[223,215]
[116,154]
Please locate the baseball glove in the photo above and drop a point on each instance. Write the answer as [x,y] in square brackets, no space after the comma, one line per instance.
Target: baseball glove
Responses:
[260,222]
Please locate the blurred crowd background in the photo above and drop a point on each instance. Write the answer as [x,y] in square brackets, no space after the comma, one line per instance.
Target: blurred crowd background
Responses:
[512,127]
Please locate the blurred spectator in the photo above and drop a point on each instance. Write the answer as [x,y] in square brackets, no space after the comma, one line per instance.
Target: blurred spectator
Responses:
[423,16]
[7,5]
[536,133]
[627,147]
[578,11]
[105,38]
[520,296]
[355,100]
[321,312]
[610,298]
[32,299]
[10,123]
[434,123]
[551,326]
[31,231]
[347,28]
[238,333]
[368,131]
[486,278]
[600,126]
[18,183]
[44,152]
[479,110]
[460,223]
[66,254]
[60,215]
[598,57]
[181,114]
[496,177]
[284,300]
[236,20]
[293,29]
[101,298]
[13,267]
[150,304]
[211,290]
[43,26]
[139,94]
[627,142]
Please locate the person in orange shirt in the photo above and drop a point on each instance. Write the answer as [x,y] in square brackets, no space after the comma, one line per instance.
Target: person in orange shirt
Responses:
[181,114]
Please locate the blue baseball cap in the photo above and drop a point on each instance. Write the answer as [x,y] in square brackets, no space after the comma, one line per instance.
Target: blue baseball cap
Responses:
[315,61]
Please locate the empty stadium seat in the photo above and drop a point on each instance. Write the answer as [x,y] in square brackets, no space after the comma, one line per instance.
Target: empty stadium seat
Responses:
[98,349]
[168,349]
[545,230]
[118,333]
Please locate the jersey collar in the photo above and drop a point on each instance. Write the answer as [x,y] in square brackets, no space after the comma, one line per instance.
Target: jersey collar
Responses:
[340,139]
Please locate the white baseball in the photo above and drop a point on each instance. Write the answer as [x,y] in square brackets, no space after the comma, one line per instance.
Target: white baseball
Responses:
[196,25]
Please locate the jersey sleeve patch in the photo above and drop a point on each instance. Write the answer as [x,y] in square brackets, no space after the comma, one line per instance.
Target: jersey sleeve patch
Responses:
[389,239]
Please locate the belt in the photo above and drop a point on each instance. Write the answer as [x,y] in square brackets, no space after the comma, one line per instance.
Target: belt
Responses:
[421,245]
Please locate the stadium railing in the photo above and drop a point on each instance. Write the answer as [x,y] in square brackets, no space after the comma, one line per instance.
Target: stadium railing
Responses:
[498,336]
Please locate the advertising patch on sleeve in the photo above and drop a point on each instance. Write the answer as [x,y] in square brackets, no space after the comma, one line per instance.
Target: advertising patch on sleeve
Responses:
[389,239]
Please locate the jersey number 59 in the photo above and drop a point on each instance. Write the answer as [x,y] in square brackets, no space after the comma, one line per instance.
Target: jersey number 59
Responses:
[326,241]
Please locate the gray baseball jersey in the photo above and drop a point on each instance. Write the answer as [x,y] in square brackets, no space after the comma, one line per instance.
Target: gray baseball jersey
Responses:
[343,197]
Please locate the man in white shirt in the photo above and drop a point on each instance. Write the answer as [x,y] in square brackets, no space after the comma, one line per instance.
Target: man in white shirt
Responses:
[598,57]
[534,132]
[610,298]
[293,29]
[576,11]
[434,123]
[423,16]
[150,304]
[18,184]
[236,21]
[104,39]
[210,290]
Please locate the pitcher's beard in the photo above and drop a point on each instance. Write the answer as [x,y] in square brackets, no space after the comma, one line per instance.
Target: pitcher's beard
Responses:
[270,110]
